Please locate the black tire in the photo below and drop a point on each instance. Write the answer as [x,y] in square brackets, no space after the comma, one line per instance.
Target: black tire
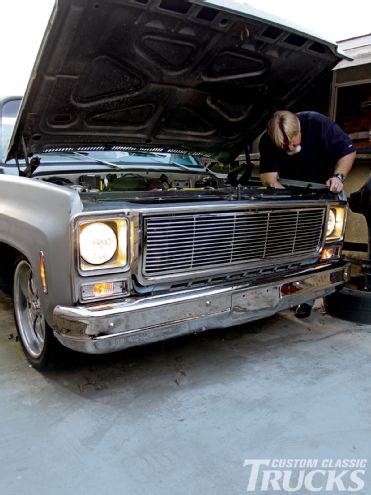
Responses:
[38,342]
[350,303]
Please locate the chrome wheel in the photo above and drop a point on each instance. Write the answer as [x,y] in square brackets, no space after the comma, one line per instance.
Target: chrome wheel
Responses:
[30,320]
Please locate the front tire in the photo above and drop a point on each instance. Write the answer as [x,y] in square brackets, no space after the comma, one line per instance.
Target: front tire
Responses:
[37,339]
[351,302]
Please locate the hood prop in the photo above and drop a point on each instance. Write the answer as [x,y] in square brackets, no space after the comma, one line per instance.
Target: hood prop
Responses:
[31,165]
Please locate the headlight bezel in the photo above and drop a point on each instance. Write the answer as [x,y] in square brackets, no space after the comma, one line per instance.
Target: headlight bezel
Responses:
[120,260]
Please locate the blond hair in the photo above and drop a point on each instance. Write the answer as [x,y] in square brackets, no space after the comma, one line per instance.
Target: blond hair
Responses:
[282,127]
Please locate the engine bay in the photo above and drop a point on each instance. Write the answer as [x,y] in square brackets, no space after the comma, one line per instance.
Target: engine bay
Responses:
[134,181]
[147,188]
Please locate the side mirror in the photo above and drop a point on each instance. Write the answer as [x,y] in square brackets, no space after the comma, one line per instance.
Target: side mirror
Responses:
[9,108]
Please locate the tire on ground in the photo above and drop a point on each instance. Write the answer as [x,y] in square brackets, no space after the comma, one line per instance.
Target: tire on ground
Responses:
[350,304]
[38,342]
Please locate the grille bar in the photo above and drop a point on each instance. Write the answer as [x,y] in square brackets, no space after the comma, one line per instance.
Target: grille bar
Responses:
[183,242]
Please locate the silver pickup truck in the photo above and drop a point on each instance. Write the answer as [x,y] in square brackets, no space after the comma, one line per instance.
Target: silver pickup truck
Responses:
[113,231]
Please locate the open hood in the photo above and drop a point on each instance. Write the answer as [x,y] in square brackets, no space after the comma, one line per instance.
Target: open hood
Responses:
[163,75]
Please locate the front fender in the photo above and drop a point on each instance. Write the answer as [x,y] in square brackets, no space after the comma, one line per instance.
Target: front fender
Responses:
[35,216]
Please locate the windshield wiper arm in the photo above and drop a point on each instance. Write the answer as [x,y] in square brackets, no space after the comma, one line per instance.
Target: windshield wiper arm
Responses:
[86,155]
[98,160]
[184,167]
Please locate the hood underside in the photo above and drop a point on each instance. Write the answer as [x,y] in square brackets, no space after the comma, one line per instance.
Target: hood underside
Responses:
[163,74]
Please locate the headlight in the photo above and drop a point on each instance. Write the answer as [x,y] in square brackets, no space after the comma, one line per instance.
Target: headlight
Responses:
[335,223]
[331,222]
[98,243]
[103,245]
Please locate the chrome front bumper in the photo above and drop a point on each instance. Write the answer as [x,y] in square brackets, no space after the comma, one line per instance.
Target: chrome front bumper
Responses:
[136,321]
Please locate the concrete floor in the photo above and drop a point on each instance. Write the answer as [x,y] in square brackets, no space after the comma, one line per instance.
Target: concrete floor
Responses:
[181,417]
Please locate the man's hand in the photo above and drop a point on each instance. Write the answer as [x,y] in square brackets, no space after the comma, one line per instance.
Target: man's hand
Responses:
[335,184]
[343,166]
[270,179]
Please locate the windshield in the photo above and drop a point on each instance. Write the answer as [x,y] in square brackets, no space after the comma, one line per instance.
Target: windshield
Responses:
[115,159]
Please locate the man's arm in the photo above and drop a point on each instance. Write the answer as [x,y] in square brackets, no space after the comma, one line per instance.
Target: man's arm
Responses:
[343,166]
[270,179]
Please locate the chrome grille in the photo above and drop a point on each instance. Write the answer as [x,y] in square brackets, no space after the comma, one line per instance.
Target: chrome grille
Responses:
[183,242]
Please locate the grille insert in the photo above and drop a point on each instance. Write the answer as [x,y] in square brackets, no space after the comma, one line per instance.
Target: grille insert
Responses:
[184,242]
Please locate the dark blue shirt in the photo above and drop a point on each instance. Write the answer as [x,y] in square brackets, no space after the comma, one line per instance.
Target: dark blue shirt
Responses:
[323,143]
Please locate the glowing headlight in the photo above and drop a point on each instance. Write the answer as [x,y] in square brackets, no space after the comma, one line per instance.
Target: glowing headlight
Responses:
[103,245]
[335,223]
[98,243]
[331,222]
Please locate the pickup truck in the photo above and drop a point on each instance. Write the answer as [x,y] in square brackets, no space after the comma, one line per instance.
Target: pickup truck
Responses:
[113,231]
